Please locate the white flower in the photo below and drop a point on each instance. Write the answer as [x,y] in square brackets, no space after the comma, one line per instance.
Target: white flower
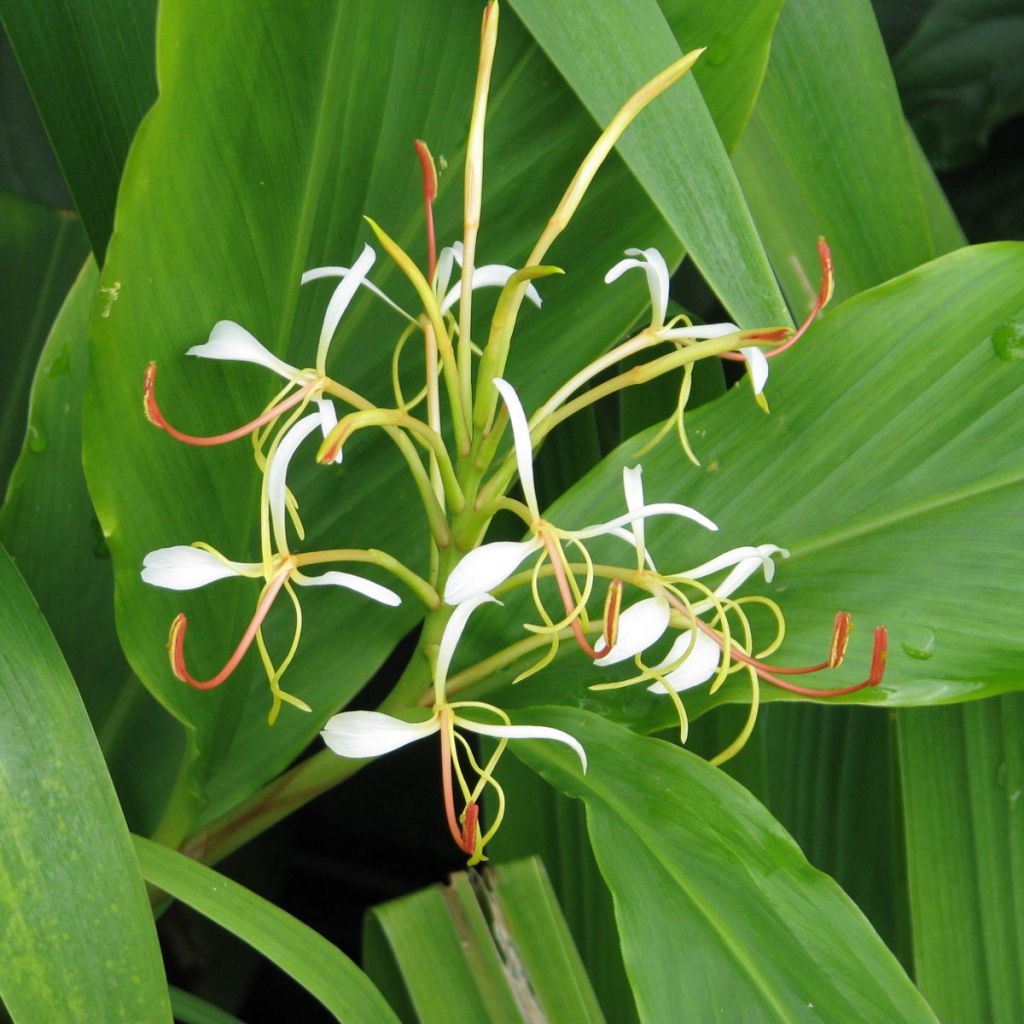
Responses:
[698,660]
[488,566]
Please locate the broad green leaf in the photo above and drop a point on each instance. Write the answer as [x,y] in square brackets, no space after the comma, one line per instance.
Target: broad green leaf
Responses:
[960,76]
[41,250]
[241,178]
[89,64]
[867,472]
[492,947]
[607,51]
[720,915]
[827,152]
[49,528]
[963,778]
[75,926]
[321,968]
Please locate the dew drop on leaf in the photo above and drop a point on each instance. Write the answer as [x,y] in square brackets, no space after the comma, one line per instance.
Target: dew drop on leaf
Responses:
[919,643]
[1008,339]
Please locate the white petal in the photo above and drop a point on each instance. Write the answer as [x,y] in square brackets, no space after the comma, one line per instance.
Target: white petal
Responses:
[732,557]
[340,300]
[231,341]
[757,366]
[494,275]
[662,508]
[699,666]
[653,265]
[486,567]
[318,272]
[702,331]
[521,439]
[453,634]
[184,567]
[328,421]
[442,276]
[640,625]
[277,473]
[633,485]
[370,733]
[360,584]
[527,732]
[743,570]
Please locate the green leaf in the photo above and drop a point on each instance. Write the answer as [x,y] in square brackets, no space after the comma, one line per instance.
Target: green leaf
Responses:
[190,1009]
[894,519]
[827,152]
[963,778]
[239,180]
[41,250]
[606,52]
[89,64]
[78,936]
[687,851]
[493,947]
[321,968]
[48,526]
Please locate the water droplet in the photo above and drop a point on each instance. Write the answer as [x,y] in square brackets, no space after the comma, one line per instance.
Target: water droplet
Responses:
[1008,339]
[718,54]
[37,439]
[61,364]
[919,643]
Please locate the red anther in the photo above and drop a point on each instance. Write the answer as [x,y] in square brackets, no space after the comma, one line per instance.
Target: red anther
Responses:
[176,640]
[472,815]
[840,638]
[879,655]
[429,195]
[612,607]
[156,417]
[824,294]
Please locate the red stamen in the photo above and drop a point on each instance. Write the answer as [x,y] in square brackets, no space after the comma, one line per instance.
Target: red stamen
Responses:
[449,795]
[555,555]
[469,828]
[612,607]
[156,417]
[840,638]
[176,641]
[429,195]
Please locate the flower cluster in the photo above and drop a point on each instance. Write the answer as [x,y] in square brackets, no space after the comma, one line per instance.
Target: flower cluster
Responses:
[464,475]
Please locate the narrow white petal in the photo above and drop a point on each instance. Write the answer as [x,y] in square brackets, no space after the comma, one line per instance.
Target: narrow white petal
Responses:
[640,625]
[371,733]
[757,365]
[521,439]
[746,568]
[494,275]
[486,567]
[184,567]
[359,584]
[318,272]
[527,732]
[702,331]
[661,508]
[732,557]
[698,667]
[453,634]
[620,268]
[340,301]
[633,485]
[654,267]
[442,277]
[232,341]
[277,472]
[328,421]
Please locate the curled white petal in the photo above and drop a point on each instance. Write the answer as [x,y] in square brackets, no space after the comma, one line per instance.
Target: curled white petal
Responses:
[522,441]
[449,255]
[640,625]
[735,555]
[316,273]
[339,302]
[453,634]
[526,732]
[742,572]
[757,366]
[633,486]
[486,567]
[183,567]
[277,473]
[371,733]
[653,265]
[698,667]
[328,421]
[359,584]
[232,341]
[702,332]
[494,275]
[662,508]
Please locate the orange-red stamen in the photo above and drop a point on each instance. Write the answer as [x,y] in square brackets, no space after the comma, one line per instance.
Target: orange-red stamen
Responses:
[156,417]
[176,641]
[555,555]
[472,816]
[449,795]
[429,195]
[612,607]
